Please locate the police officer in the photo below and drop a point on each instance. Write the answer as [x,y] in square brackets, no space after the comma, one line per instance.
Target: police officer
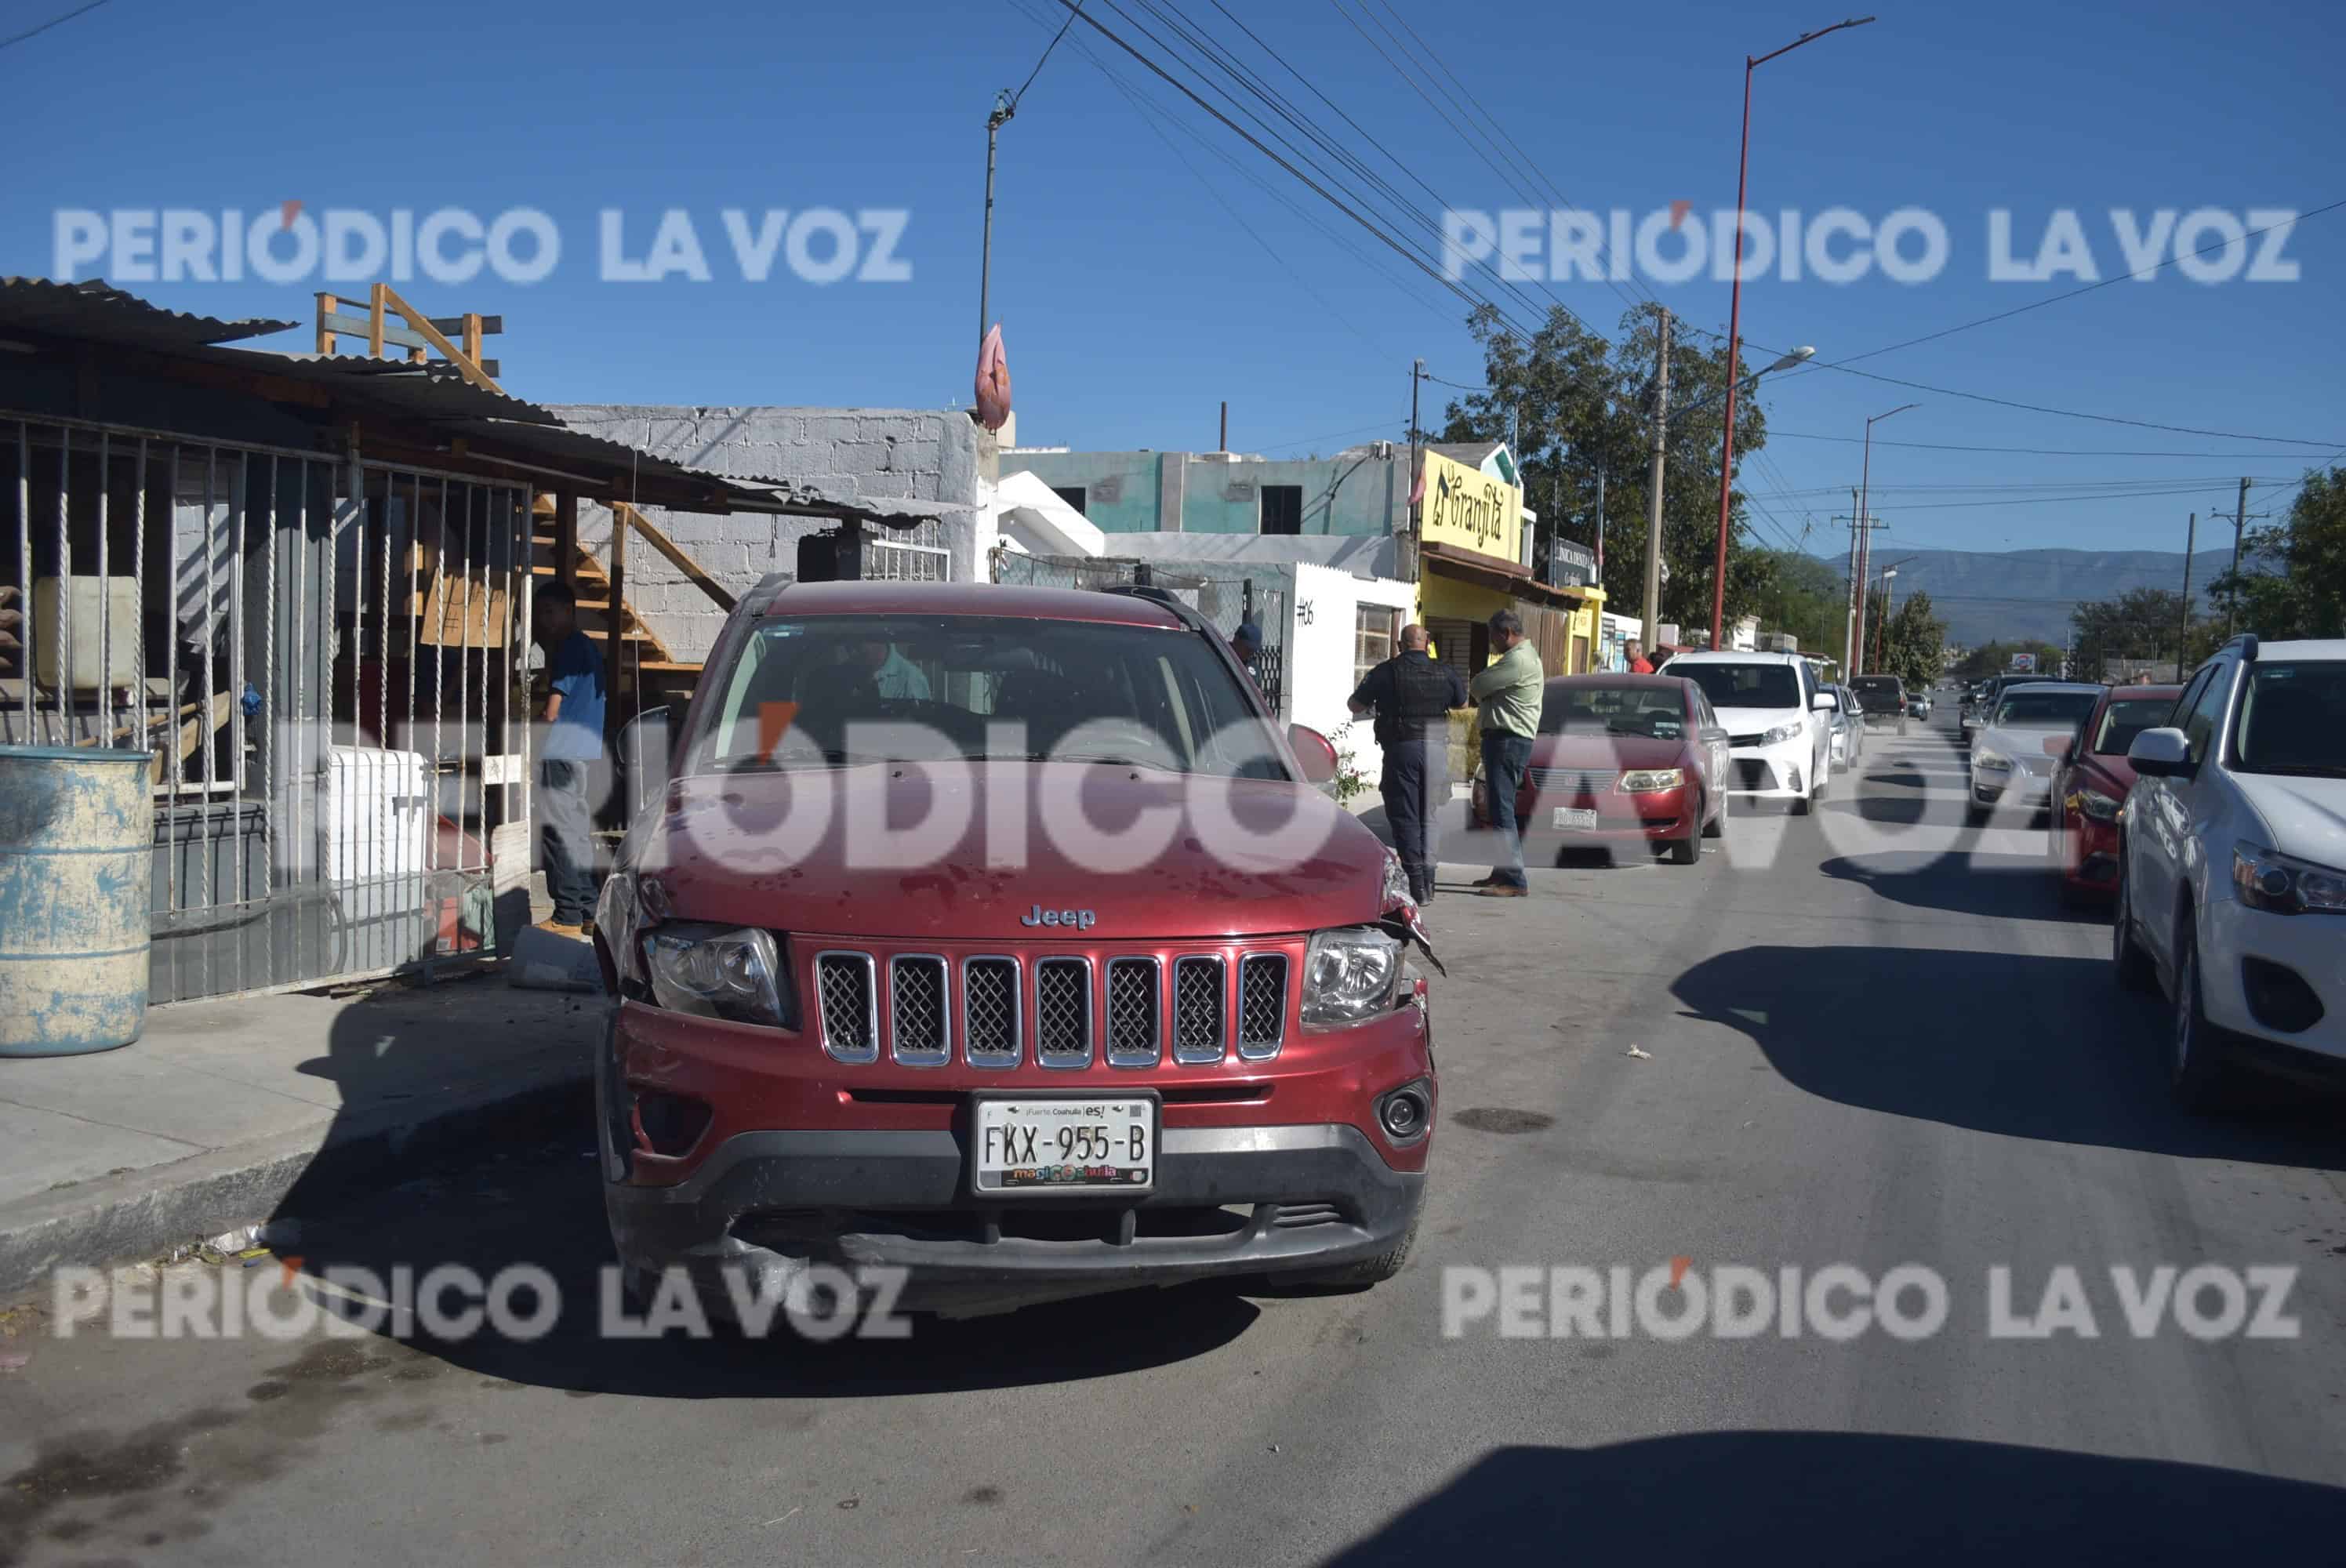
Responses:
[1412,694]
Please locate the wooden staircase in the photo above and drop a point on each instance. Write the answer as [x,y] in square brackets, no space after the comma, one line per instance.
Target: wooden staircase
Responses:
[650,673]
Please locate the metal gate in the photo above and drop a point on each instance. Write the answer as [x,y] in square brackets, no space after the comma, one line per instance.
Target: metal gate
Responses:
[1226,602]
[325,657]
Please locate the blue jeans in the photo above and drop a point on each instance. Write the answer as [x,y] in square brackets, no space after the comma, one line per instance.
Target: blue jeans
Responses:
[1504,758]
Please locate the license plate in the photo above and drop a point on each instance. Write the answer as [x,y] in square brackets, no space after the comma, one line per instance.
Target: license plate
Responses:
[1064,1144]
[1579,818]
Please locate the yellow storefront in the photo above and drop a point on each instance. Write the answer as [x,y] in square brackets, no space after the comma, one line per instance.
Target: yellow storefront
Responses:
[1470,556]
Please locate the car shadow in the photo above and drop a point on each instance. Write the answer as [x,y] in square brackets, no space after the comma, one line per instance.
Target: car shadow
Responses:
[2020,1044]
[1963,880]
[541,1208]
[1850,1497]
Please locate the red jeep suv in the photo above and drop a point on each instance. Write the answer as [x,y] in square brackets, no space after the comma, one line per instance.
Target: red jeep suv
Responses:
[999,934]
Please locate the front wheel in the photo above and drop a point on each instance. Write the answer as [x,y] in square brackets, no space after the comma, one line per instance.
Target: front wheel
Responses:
[1685,851]
[2128,960]
[2200,1072]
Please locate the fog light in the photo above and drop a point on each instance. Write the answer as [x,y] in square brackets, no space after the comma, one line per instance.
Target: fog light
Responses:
[1404,1113]
[667,1124]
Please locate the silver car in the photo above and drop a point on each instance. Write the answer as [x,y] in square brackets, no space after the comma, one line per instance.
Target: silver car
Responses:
[1847,737]
[2022,739]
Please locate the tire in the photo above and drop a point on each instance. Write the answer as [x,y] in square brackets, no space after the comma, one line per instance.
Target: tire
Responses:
[1976,815]
[1685,851]
[1804,805]
[1715,827]
[1361,1275]
[2129,962]
[2200,1063]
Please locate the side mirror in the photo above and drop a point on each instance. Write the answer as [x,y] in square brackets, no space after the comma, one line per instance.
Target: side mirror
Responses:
[2160,754]
[1825,702]
[1314,750]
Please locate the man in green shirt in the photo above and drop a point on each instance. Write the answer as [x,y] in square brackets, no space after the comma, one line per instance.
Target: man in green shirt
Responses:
[1509,693]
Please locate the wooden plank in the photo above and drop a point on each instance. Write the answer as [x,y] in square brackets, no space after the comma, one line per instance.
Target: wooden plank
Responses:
[616,647]
[374,320]
[472,337]
[455,325]
[565,537]
[438,340]
[627,515]
[346,322]
[326,303]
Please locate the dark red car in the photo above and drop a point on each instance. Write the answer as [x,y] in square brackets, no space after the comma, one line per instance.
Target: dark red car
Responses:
[2091,783]
[1622,758]
[1139,1013]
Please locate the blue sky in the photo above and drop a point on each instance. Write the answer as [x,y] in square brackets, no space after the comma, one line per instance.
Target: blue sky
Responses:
[1134,298]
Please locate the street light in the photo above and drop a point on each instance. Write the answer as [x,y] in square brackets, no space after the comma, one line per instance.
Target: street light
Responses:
[1861,540]
[1881,631]
[1734,323]
[1798,356]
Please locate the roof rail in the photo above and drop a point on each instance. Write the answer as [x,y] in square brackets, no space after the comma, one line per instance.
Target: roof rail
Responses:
[1167,597]
[2247,642]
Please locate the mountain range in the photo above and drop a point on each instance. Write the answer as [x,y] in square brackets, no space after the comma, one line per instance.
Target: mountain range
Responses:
[2013,593]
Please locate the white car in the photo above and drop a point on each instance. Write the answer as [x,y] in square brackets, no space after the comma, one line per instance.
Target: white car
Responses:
[2011,764]
[2232,866]
[1779,722]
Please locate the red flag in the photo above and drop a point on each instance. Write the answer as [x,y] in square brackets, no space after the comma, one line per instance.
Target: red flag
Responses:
[992,381]
[1417,487]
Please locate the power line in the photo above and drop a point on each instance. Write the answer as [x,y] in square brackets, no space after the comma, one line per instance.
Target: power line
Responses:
[52,21]
[1047,48]
[2023,450]
[2072,293]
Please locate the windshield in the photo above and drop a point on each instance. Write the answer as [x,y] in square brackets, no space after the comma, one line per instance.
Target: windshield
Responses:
[1871,684]
[1743,685]
[2126,718]
[2045,709]
[828,691]
[1612,709]
[2292,719]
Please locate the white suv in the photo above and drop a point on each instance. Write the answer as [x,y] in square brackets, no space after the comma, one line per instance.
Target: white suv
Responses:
[1779,722]
[2232,865]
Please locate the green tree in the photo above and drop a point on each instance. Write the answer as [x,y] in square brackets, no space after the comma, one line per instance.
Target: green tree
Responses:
[2304,596]
[1578,409]
[1914,640]
[2139,624]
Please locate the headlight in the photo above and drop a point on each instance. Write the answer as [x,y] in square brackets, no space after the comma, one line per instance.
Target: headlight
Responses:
[718,972]
[2094,804]
[1396,888]
[1990,762]
[1647,780]
[1350,973]
[1782,732]
[2284,884]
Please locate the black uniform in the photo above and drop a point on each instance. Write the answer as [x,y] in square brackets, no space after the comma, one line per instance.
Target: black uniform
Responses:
[1413,693]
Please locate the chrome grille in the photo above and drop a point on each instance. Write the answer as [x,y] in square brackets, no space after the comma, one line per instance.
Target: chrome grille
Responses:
[1262,1004]
[1063,1011]
[1752,740]
[851,1010]
[1198,1006]
[989,1011]
[1132,1013]
[918,1032]
[1570,780]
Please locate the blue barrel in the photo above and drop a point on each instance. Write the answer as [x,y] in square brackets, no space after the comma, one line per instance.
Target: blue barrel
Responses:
[77,851]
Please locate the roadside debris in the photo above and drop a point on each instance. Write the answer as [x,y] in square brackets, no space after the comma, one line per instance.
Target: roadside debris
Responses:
[1641,1056]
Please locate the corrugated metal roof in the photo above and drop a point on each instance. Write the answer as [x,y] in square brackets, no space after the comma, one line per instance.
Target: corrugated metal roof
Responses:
[93,309]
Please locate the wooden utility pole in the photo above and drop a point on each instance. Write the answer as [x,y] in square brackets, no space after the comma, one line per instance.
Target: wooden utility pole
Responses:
[1654,487]
[2183,642]
[2240,521]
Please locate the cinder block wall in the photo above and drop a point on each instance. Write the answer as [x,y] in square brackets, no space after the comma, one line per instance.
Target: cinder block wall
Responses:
[920,454]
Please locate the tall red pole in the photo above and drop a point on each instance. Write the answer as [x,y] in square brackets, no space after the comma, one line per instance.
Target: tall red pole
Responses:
[1735,326]
[1734,347]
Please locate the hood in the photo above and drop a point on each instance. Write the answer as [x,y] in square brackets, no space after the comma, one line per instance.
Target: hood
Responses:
[1755,721]
[2113,767]
[736,849]
[2023,746]
[2305,816]
[1594,753]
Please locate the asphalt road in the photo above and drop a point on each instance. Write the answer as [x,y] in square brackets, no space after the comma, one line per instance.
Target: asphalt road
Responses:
[1870,1037]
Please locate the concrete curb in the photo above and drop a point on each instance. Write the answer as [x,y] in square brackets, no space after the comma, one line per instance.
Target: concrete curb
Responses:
[144,1214]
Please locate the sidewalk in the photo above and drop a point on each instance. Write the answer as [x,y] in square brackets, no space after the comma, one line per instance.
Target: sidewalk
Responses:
[206,1121]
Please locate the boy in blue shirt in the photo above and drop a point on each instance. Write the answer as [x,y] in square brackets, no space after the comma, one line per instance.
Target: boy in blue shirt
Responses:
[569,738]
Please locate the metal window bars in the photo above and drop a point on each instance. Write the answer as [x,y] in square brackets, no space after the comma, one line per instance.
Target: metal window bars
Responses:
[327,657]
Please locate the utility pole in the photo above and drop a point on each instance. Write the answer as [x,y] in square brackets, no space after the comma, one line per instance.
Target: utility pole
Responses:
[2183,641]
[1654,488]
[1004,106]
[2240,521]
[1598,576]
[1225,443]
[1416,506]
[1849,614]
